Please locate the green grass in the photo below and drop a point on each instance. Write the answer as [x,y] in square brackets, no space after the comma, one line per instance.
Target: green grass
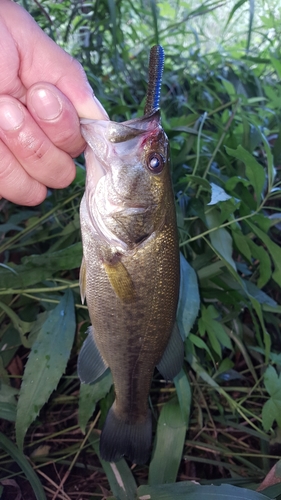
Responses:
[221,110]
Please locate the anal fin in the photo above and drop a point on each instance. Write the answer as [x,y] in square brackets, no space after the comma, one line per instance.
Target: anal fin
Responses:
[172,359]
[90,364]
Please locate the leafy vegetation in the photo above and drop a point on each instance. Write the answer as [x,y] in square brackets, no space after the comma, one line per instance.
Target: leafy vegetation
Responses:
[219,423]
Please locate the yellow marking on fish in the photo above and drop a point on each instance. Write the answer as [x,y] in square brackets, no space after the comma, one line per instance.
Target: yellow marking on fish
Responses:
[120,280]
[82,280]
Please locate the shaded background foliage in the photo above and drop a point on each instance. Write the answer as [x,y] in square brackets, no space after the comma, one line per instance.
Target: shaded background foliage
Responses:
[221,110]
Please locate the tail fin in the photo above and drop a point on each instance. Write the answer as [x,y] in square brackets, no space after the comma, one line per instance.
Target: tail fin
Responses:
[119,438]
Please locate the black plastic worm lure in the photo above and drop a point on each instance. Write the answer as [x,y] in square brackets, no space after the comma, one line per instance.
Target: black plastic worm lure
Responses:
[156,65]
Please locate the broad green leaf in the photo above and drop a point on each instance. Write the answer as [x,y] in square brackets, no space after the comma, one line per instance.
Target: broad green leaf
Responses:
[233,181]
[8,411]
[5,228]
[21,326]
[225,366]
[199,181]
[24,464]
[184,395]
[272,381]
[272,409]
[218,194]
[262,256]
[229,88]
[189,300]
[242,244]
[276,64]
[254,171]
[274,250]
[46,363]
[264,223]
[266,337]
[198,342]
[202,373]
[277,150]
[220,238]
[211,270]
[9,344]
[187,490]
[168,444]
[208,323]
[37,268]
[8,402]
[270,412]
[90,394]
[227,209]
[271,172]
[259,295]
[16,218]
[119,475]
[7,393]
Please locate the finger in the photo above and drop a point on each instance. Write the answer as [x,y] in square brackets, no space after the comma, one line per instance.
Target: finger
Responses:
[56,116]
[32,148]
[15,183]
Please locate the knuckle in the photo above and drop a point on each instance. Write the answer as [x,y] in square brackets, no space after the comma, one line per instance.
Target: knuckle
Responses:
[32,148]
[36,195]
[6,166]
[65,176]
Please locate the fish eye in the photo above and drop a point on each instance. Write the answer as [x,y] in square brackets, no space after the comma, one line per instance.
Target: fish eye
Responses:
[155,163]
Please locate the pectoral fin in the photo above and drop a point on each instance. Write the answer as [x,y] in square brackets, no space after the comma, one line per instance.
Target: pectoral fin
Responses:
[82,280]
[120,280]
[172,359]
[90,365]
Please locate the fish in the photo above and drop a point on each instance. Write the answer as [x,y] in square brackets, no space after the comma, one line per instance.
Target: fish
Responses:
[130,269]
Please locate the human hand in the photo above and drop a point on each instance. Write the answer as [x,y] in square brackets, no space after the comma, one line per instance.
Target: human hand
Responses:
[43,92]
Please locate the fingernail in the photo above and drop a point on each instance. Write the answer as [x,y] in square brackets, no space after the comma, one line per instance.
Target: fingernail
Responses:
[91,108]
[11,116]
[46,105]
[101,108]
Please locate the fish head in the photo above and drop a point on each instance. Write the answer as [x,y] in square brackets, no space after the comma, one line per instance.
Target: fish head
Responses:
[128,178]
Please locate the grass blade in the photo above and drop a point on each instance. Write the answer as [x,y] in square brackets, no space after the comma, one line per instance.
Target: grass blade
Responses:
[251,20]
[233,10]
[169,442]
[119,475]
[184,395]
[23,463]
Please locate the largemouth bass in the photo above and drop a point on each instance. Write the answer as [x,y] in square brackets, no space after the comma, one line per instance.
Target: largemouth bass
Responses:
[130,269]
